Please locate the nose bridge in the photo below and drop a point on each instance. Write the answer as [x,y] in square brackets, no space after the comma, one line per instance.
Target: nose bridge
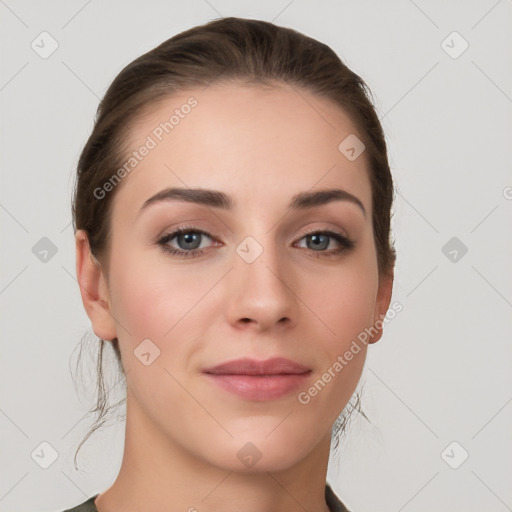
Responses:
[259,287]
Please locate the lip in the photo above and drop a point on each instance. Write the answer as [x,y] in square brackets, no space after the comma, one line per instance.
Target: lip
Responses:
[259,380]
[247,366]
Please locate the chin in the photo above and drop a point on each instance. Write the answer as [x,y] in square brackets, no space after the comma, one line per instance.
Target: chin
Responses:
[256,453]
[269,462]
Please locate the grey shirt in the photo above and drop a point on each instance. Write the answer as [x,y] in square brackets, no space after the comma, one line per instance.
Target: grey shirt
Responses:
[333,502]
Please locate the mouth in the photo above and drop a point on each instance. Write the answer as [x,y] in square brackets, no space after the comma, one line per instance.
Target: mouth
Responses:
[259,380]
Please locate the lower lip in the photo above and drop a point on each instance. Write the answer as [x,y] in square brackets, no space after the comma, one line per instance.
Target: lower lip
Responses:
[260,387]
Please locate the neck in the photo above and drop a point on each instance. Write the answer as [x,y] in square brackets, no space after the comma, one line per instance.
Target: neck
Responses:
[159,474]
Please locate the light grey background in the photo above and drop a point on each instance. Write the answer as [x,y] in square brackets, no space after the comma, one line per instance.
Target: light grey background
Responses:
[441,373]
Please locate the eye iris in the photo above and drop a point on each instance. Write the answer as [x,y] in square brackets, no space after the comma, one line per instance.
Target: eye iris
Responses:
[190,238]
[317,243]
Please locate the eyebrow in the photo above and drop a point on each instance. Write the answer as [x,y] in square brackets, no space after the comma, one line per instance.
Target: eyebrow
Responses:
[217,199]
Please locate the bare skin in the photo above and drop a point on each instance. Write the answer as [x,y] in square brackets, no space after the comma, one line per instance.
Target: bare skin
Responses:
[261,146]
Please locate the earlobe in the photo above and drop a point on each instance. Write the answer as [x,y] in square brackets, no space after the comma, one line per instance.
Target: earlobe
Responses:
[93,289]
[382,305]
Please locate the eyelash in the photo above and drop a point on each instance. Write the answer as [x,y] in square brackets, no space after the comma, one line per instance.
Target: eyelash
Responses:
[346,244]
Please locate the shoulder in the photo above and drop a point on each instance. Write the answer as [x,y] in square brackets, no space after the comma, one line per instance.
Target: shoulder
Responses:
[333,502]
[86,506]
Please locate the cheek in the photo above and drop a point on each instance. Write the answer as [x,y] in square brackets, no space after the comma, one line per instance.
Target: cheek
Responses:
[351,308]
[344,300]
[140,295]
[347,314]
[156,299]
[343,303]
[154,302]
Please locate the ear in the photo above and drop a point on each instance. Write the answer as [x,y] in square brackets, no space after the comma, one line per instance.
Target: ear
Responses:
[382,305]
[94,289]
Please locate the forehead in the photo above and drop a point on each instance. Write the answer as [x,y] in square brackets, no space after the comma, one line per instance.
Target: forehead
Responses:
[256,143]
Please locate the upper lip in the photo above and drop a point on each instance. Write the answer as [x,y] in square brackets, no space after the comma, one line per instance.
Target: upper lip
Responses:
[247,366]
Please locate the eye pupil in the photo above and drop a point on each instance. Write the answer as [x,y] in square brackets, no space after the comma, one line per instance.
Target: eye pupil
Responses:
[317,243]
[190,238]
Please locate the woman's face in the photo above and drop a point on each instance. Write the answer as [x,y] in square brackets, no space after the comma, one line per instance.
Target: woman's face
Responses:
[259,284]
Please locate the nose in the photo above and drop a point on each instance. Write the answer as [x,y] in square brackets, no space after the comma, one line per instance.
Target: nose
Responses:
[260,293]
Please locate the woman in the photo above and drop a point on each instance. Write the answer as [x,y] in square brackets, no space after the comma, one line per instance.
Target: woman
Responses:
[232,222]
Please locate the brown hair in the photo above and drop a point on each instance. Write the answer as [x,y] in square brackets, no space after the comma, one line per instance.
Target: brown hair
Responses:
[227,50]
